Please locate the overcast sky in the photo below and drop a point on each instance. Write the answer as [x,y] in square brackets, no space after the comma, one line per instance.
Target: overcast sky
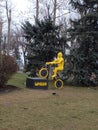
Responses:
[20,9]
[24,10]
[20,5]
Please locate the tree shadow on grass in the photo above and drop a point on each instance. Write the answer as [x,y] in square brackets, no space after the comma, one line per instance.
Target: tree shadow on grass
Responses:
[8,88]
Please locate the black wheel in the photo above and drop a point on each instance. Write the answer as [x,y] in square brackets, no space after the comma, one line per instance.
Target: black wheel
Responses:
[43,73]
[58,84]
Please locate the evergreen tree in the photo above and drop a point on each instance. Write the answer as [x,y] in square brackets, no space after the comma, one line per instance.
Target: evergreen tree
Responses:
[44,41]
[84,36]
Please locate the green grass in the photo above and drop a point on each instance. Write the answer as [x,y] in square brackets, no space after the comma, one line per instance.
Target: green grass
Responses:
[72,108]
[18,80]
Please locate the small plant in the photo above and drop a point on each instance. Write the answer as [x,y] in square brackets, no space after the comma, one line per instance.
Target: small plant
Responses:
[8,66]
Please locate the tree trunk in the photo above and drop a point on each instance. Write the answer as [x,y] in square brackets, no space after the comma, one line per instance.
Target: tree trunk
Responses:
[0,43]
[54,16]
[9,27]
[37,11]
[8,13]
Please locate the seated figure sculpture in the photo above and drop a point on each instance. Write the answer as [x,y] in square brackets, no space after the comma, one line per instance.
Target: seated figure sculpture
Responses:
[60,64]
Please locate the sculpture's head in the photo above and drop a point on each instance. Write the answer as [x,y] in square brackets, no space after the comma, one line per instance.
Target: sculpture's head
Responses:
[60,54]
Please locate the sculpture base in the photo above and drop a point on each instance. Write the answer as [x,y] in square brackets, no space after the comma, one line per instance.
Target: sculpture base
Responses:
[37,83]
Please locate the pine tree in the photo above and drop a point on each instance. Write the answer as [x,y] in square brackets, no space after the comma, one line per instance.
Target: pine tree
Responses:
[44,41]
[84,35]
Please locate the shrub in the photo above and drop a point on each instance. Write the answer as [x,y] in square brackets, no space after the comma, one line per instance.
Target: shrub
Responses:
[8,66]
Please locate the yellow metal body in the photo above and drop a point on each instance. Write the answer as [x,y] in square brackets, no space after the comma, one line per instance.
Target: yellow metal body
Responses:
[59,62]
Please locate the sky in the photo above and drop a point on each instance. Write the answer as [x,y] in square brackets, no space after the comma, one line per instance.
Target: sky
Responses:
[21,10]
[20,5]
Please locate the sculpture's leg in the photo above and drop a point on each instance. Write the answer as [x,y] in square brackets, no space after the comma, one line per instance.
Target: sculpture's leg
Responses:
[55,73]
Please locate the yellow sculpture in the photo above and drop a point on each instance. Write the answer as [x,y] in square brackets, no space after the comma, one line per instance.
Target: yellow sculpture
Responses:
[60,64]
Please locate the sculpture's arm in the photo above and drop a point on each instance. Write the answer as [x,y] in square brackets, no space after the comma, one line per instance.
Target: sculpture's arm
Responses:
[52,62]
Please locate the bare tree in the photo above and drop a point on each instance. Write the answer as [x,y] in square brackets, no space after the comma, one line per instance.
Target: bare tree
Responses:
[0,41]
[18,44]
[8,13]
[24,49]
[54,11]
[1,25]
[0,33]
[37,11]
[57,9]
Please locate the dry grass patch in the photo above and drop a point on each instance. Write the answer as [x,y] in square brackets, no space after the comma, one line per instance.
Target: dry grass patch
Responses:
[70,109]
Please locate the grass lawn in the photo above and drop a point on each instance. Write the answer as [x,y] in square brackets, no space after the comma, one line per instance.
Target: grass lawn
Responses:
[72,108]
[18,80]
